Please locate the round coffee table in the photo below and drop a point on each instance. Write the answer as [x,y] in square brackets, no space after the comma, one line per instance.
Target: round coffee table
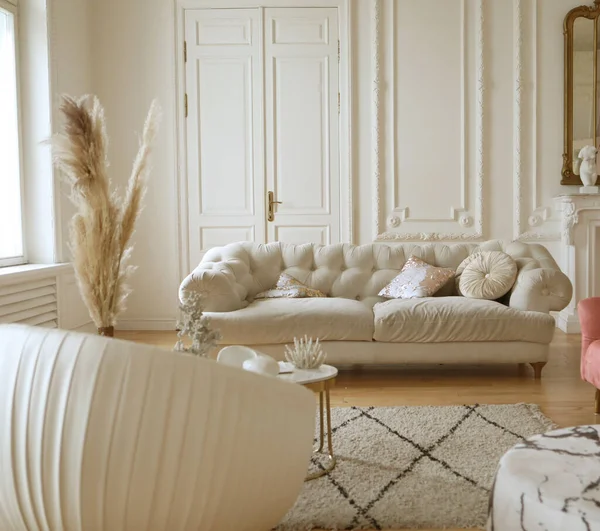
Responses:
[320,381]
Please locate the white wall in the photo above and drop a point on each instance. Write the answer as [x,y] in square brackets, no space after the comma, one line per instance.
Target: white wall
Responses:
[133,62]
[511,142]
[71,68]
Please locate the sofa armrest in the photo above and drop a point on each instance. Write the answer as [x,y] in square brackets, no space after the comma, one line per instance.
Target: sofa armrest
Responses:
[541,290]
[218,285]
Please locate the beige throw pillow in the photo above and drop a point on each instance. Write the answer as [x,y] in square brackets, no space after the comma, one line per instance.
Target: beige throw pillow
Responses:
[417,279]
[288,286]
[486,275]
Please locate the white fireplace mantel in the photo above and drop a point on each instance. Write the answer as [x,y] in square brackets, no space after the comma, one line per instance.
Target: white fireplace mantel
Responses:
[580,215]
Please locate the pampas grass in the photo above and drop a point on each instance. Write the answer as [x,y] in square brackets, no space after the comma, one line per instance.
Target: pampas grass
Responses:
[101,230]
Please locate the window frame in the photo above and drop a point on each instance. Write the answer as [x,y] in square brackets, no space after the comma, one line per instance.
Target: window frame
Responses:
[11,7]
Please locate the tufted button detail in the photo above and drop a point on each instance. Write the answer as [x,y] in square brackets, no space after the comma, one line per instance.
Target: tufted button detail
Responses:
[545,291]
[487,275]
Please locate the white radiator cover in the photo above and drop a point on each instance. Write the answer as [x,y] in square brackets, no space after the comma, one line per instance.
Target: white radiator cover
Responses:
[42,295]
[32,302]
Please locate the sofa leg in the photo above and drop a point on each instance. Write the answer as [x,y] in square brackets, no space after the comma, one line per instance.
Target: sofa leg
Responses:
[597,409]
[537,369]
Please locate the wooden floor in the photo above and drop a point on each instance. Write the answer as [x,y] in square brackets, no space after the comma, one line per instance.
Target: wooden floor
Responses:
[560,393]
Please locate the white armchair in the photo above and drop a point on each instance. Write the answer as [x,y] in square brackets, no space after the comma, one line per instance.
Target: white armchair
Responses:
[106,435]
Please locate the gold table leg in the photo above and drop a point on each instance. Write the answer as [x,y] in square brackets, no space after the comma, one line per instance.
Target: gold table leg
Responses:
[331,458]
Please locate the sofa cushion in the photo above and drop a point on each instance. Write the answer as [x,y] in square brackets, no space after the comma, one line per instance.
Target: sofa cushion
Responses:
[288,286]
[486,275]
[445,319]
[280,320]
[417,279]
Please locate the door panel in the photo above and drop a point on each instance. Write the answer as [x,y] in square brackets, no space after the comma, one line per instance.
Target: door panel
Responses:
[302,135]
[225,162]
[218,236]
[225,120]
[239,118]
[225,27]
[302,178]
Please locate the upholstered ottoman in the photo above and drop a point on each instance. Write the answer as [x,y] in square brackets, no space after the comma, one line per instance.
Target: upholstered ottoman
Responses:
[549,482]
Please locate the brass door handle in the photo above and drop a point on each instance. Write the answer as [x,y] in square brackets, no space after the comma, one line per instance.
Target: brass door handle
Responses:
[271,201]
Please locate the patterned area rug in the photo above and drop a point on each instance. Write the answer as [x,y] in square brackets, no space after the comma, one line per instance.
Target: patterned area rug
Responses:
[412,467]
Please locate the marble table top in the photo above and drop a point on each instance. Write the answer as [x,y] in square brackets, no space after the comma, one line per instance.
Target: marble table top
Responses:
[306,376]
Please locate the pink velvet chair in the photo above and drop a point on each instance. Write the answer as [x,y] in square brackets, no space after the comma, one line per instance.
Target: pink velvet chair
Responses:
[589,317]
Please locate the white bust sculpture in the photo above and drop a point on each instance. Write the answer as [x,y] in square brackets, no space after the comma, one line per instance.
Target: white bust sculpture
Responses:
[587,170]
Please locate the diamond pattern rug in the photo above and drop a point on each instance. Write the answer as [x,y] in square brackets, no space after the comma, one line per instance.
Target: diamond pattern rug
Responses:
[414,467]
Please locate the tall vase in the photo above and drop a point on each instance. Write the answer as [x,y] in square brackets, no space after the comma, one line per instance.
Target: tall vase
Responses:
[108,331]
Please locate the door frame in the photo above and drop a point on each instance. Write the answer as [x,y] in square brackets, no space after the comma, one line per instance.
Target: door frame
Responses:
[345,121]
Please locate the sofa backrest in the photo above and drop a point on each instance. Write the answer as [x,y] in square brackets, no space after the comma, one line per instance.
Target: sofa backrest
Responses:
[353,271]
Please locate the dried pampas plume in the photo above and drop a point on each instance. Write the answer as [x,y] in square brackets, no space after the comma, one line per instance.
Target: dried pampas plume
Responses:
[101,229]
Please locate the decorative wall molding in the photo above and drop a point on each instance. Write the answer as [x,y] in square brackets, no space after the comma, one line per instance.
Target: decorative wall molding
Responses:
[456,212]
[531,236]
[461,214]
[348,101]
[539,213]
[480,121]
[517,113]
[428,236]
[376,122]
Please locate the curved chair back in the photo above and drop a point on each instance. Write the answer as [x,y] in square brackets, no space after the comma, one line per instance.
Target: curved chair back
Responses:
[106,435]
[588,311]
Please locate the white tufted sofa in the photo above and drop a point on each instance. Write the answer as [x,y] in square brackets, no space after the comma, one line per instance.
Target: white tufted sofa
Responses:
[358,327]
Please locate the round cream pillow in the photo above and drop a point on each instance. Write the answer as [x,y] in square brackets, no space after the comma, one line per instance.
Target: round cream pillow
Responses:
[486,275]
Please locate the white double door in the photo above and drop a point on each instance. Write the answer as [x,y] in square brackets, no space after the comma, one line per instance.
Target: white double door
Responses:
[262,93]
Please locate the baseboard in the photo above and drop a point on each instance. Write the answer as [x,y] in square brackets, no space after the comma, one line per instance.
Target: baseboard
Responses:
[146,324]
[568,322]
[87,328]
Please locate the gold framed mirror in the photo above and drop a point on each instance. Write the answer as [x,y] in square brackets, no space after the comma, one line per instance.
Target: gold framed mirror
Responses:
[582,108]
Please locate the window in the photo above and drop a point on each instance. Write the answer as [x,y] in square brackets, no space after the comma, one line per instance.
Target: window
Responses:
[11,225]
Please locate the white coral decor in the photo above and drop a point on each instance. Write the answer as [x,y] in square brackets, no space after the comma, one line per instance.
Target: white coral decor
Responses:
[305,354]
[196,325]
